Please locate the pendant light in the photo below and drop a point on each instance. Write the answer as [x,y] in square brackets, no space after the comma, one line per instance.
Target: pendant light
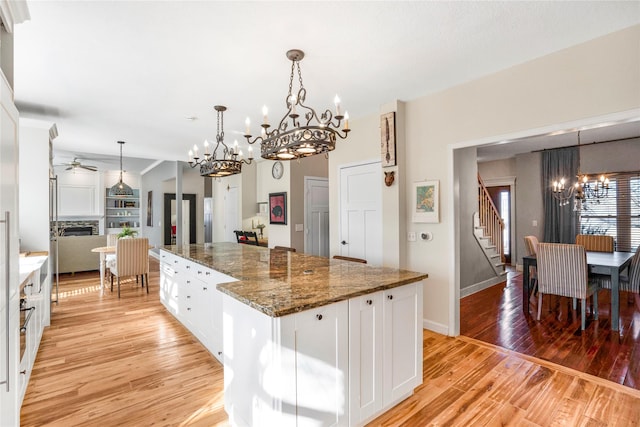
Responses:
[120,188]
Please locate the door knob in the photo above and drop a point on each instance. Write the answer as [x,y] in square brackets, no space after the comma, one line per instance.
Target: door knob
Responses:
[343,242]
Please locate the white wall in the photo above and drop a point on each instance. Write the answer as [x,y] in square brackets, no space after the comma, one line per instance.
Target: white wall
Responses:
[584,82]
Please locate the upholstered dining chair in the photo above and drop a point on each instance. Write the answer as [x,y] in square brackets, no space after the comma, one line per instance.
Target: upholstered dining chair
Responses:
[112,238]
[629,282]
[132,259]
[595,242]
[562,270]
[531,246]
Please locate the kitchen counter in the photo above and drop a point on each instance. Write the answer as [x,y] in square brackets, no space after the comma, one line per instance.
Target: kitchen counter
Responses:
[28,264]
[278,283]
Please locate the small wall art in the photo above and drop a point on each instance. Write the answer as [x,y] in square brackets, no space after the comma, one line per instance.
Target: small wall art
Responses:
[278,208]
[388,139]
[150,209]
[425,205]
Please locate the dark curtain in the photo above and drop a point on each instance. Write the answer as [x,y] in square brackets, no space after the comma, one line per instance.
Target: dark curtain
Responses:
[560,222]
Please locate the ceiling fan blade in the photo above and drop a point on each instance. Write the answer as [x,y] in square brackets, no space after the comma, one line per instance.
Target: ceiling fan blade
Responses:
[69,168]
[89,168]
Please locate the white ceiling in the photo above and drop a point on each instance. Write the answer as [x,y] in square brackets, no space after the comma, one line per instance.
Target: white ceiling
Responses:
[105,71]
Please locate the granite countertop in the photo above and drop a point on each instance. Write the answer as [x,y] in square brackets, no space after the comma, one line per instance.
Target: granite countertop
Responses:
[279,283]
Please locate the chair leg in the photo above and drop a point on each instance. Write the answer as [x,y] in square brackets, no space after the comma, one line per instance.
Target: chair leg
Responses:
[583,315]
[595,305]
[575,303]
[539,304]
[145,278]
[111,282]
[118,286]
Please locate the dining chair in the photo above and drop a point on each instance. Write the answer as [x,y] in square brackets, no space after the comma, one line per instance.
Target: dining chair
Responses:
[562,270]
[531,246]
[239,236]
[251,238]
[352,259]
[629,282]
[132,259]
[595,242]
[284,248]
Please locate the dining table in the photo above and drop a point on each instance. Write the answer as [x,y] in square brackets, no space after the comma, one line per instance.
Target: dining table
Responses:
[103,251]
[605,263]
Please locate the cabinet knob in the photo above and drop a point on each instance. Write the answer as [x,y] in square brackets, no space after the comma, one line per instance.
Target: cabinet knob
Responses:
[369,302]
[188,266]
[175,261]
[188,308]
[390,296]
[208,273]
[199,272]
[204,288]
[188,282]
[188,296]
[219,353]
[344,242]
[319,316]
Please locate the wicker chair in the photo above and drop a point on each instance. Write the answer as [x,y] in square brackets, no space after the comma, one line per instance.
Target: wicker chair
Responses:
[562,270]
[132,259]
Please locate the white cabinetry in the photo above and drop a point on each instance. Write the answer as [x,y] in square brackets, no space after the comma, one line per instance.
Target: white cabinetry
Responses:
[295,366]
[9,296]
[188,291]
[385,350]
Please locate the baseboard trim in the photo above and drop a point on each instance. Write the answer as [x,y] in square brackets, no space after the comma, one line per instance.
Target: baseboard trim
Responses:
[470,290]
[435,327]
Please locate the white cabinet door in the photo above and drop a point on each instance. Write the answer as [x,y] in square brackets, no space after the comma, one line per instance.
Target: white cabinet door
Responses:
[402,318]
[321,348]
[365,357]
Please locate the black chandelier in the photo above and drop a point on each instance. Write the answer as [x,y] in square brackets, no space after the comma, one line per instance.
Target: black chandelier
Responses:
[301,131]
[582,189]
[230,160]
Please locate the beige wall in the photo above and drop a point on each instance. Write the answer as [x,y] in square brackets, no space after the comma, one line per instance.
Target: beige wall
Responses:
[315,166]
[579,84]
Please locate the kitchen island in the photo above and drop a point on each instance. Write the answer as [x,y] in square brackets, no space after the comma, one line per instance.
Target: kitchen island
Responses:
[304,340]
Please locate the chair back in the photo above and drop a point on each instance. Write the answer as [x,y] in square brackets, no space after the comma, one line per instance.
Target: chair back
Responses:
[634,272]
[595,243]
[132,256]
[239,236]
[252,238]
[352,259]
[531,244]
[112,239]
[562,270]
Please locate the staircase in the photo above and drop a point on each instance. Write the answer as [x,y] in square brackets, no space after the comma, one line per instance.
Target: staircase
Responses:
[487,229]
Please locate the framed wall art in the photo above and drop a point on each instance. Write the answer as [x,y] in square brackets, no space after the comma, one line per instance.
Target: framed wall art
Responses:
[278,208]
[388,139]
[426,205]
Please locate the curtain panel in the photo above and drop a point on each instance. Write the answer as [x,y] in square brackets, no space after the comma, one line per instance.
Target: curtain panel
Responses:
[560,222]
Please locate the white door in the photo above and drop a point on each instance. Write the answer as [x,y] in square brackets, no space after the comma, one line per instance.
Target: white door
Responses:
[316,207]
[361,212]
[231,221]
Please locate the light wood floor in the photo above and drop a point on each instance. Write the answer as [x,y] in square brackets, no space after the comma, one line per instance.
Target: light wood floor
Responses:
[127,362]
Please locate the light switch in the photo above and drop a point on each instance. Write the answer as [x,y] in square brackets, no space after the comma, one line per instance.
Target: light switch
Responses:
[534,223]
[411,236]
[299,227]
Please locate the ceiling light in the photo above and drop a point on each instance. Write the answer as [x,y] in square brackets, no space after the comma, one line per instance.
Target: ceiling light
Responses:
[120,188]
[301,132]
[227,161]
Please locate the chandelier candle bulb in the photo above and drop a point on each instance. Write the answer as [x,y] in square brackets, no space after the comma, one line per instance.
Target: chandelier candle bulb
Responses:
[250,153]
[336,101]
[265,117]
[247,124]
[195,151]
[235,147]
[346,120]
[206,147]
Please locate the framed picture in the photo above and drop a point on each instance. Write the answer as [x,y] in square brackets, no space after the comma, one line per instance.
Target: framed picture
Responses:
[278,208]
[150,209]
[388,139]
[426,205]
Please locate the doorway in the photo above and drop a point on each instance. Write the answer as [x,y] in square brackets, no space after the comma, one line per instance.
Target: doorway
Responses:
[316,208]
[361,212]
[188,218]
[231,216]
[501,198]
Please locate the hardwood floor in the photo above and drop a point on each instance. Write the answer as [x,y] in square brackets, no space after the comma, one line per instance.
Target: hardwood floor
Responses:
[495,316]
[127,362]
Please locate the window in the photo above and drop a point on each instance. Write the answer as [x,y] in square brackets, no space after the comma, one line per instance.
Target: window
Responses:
[616,215]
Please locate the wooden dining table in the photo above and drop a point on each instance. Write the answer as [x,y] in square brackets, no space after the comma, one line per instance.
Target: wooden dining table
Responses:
[607,263]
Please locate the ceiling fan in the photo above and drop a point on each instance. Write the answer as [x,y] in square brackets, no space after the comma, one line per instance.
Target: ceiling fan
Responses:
[76,163]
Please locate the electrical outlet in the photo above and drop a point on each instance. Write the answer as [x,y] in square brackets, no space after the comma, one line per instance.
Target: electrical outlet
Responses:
[411,236]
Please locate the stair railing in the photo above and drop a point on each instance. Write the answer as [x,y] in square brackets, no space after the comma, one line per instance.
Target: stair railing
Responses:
[490,219]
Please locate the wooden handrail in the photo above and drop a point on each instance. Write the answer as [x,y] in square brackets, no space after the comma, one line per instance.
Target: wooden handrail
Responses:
[490,219]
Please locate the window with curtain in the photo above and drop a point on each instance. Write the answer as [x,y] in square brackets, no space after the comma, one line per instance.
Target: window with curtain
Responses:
[618,214]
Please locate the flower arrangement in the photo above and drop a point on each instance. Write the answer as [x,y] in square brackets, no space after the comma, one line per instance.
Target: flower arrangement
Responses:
[127,232]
